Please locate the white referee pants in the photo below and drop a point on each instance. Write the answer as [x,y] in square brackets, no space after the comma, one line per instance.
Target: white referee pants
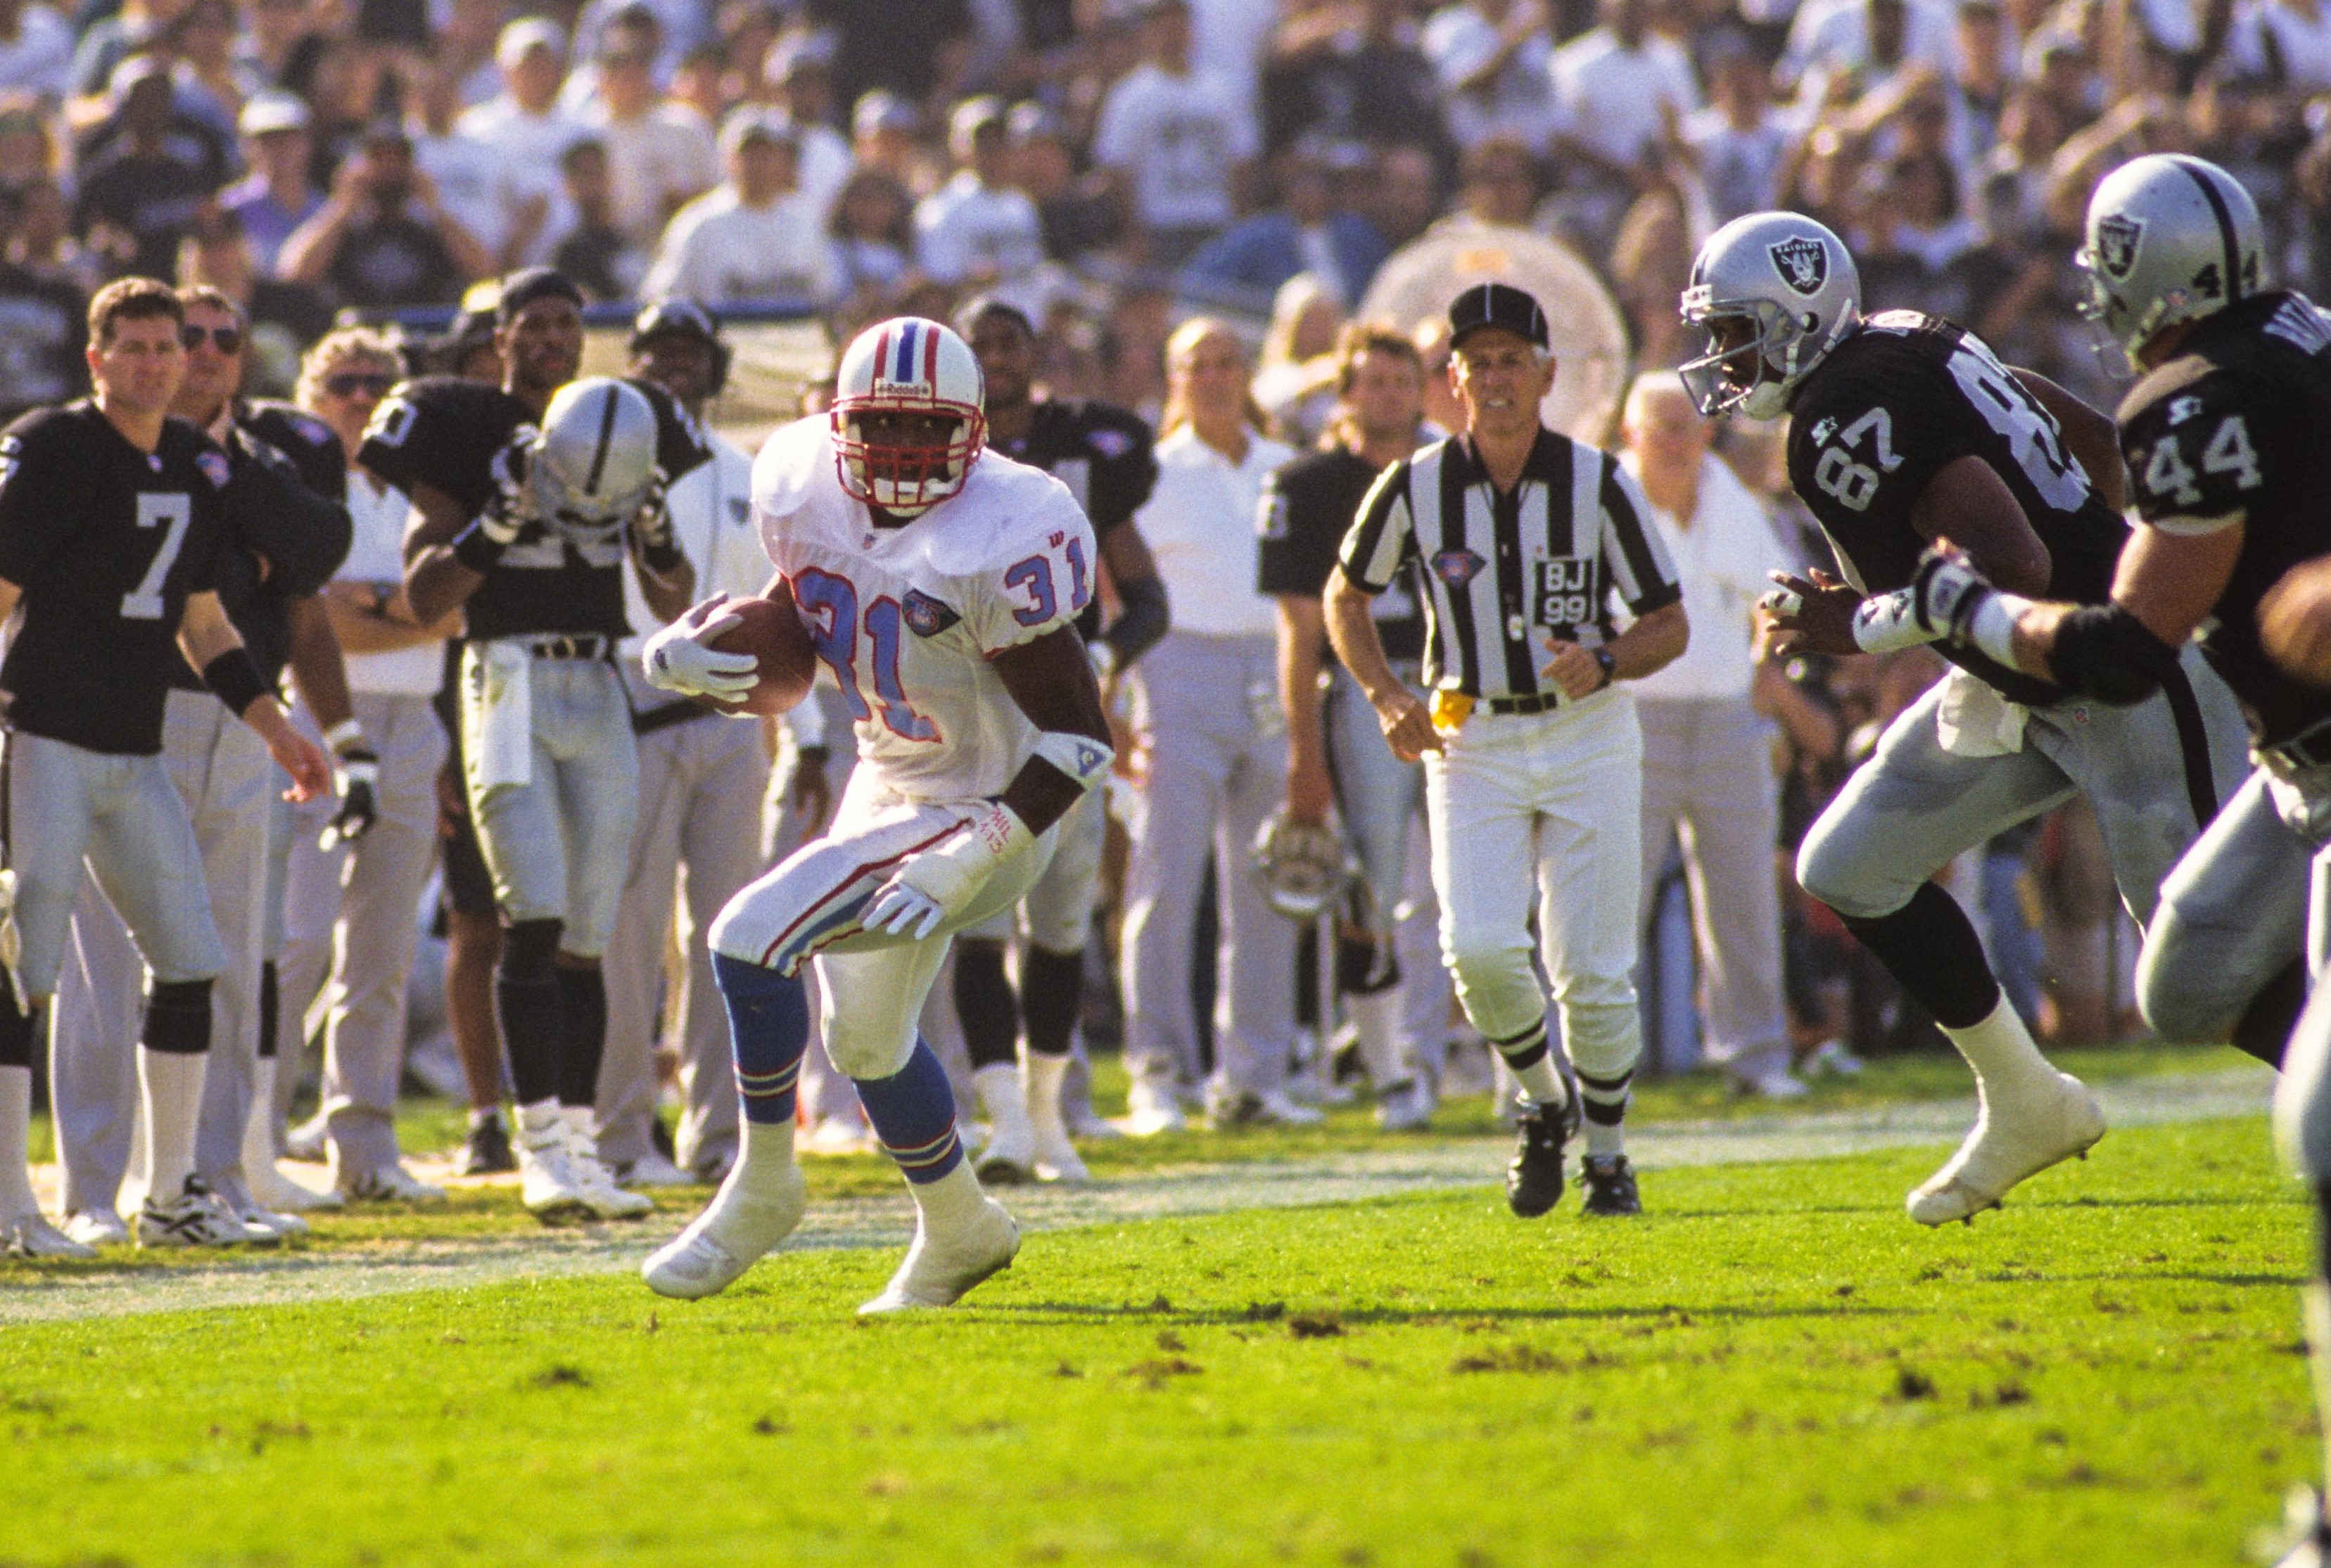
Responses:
[1544,807]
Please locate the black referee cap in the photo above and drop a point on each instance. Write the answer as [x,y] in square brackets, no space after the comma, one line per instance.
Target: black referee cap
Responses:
[1497,304]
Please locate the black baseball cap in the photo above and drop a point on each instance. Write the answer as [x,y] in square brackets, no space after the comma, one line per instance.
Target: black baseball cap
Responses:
[676,317]
[523,288]
[1497,304]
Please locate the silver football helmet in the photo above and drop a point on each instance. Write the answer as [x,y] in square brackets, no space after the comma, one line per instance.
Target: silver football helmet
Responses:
[1303,868]
[1773,292]
[2170,238]
[593,465]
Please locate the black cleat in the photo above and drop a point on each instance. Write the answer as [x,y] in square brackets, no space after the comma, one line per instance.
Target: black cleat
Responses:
[1609,1187]
[1533,1177]
[488,1152]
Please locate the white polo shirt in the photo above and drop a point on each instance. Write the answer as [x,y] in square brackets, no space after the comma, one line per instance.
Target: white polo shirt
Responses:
[377,517]
[1200,523]
[712,508]
[1720,560]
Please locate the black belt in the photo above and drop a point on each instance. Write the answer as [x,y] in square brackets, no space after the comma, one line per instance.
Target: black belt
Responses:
[590,647]
[2308,748]
[669,714]
[1541,702]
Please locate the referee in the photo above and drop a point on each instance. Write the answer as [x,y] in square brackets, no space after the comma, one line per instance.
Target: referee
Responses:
[1531,759]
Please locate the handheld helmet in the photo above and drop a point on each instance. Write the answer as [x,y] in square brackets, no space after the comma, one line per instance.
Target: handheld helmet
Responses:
[2169,239]
[679,316]
[593,463]
[908,365]
[1789,277]
[1303,868]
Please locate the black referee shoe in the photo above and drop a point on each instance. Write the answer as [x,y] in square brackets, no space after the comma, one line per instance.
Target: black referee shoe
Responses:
[488,1152]
[1610,1186]
[1533,1177]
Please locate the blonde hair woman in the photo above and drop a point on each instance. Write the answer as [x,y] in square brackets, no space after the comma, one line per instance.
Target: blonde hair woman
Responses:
[1295,383]
[1206,709]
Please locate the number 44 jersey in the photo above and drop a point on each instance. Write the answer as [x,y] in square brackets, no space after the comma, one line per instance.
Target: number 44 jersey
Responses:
[907,618]
[1902,397]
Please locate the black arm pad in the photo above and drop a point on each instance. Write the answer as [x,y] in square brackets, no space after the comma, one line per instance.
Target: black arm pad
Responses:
[235,680]
[2101,651]
[1142,622]
[475,548]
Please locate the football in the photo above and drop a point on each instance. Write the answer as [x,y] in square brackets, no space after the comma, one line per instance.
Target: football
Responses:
[773,634]
[2295,621]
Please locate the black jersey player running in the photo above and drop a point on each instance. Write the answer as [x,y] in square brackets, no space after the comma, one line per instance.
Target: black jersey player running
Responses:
[530,498]
[1102,453]
[1903,430]
[110,525]
[2231,476]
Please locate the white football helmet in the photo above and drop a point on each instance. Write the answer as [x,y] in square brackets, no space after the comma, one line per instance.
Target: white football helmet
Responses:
[908,365]
[1795,284]
[2169,239]
[593,465]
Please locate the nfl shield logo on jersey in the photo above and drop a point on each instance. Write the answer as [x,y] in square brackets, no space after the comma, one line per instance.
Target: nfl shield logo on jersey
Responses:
[927,616]
[2116,238]
[1802,263]
[214,467]
[1457,568]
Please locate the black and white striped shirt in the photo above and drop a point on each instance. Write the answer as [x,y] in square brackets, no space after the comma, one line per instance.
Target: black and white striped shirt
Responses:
[1508,572]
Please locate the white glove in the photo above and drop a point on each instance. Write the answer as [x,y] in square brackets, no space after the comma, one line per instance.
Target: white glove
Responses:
[679,658]
[511,508]
[1949,592]
[939,882]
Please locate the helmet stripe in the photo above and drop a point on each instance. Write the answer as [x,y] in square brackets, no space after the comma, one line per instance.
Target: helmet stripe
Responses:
[931,359]
[606,438]
[2196,171]
[905,370]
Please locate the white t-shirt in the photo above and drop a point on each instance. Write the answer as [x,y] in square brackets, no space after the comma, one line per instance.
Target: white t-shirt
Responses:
[471,184]
[377,517]
[655,163]
[826,165]
[712,508]
[1176,138]
[965,228]
[1834,36]
[1518,102]
[908,618]
[39,58]
[717,249]
[1609,96]
[2303,47]
[530,145]
[1721,562]
[1202,523]
[1741,169]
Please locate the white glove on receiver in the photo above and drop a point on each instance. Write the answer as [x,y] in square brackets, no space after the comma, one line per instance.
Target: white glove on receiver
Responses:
[939,882]
[679,658]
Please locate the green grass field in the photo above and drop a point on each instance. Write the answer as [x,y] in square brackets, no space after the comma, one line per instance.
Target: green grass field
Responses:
[1774,1367]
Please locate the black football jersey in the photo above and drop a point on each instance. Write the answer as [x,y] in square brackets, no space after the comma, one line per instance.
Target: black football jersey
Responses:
[2238,426]
[445,431]
[1104,454]
[272,515]
[1307,508]
[1901,397]
[311,444]
[107,542]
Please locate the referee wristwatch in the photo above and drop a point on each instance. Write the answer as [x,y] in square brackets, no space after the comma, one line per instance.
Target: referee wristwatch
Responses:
[1610,663]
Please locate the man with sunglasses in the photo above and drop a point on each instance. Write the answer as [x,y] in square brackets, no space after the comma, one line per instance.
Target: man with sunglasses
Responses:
[549,761]
[284,541]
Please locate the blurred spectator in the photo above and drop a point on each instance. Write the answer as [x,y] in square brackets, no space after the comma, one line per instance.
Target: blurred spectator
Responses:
[1179,142]
[658,155]
[41,329]
[1620,91]
[1650,265]
[35,50]
[1306,232]
[43,245]
[469,175]
[589,246]
[873,231]
[918,49]
[27,150]
[1493,60]
[1862,42]
[271,30]
[1918,248]
[201,44]
[755,236]
[341,83]
[1353,71]
[1403,194]
[800,73]
[882,130]
[1738,144]
[279,318]
[108,41]
[978,229]
[1079,212]
[276,196]
[527,129]
[1295,380]
[145,172]
[382,239]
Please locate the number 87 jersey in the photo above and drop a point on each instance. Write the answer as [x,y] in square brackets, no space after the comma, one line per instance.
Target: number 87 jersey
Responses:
[906,617]
[1897,400]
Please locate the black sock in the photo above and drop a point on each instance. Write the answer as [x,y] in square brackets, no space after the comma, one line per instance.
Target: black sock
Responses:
[2264,1028]
[19,1031]
[583,1021]
[527,1004]
[985,1005]
[178,1017]
[269,1001]
[1051,996]
[1930,947]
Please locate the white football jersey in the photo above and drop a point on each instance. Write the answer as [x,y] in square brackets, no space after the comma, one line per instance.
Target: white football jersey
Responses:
[907,618]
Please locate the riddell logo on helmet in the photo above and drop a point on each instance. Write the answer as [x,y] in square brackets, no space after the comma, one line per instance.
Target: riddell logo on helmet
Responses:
[921,389]
[1802,263]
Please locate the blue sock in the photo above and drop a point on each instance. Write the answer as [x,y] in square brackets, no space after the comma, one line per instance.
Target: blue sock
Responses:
[768,1026]
[913,1113]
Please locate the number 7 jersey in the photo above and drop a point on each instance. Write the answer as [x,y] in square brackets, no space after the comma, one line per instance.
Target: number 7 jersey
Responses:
[907,618]
[1903,397]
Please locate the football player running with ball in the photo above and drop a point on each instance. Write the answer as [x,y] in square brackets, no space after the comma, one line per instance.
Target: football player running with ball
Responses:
[1904,430]
[940,583]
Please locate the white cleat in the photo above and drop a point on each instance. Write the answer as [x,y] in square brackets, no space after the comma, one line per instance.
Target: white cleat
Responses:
[1009,1160]
[31,1236]
[195,1217]
[2050,1118]
[389,1183]
[547,1184]
[652,1170]
[282,1196]
[1057,1159]
[1232,1108]
[96,1228]
[737,1230]
[605,1200]
[1152,1109]
[268,1227]
[941,1271]
[1406,1106]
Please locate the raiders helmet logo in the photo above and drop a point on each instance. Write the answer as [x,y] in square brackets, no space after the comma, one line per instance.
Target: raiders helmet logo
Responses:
[927,616]
[2116,238]
[1802,263]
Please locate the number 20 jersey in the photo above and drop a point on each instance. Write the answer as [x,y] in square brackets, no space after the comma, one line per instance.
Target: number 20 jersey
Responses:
[1902,397]
[907,618]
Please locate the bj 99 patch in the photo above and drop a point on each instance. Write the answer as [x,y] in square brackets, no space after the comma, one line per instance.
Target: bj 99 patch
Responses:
[1565,591]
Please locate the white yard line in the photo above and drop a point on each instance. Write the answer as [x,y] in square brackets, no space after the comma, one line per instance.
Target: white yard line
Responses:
[336,1273]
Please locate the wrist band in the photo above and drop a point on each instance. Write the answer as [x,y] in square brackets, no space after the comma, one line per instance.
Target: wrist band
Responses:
[662,558]
[234,679]
[1992,629]
[476,549]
